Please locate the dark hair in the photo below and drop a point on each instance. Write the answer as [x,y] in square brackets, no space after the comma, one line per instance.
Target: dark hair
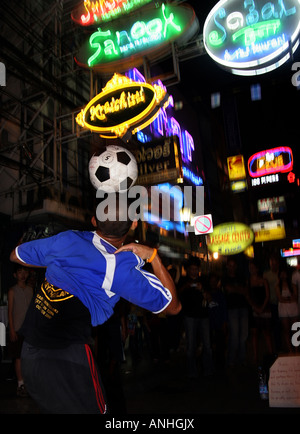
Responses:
[114,222]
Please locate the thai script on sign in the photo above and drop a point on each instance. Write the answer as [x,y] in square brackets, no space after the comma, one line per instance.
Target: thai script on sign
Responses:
[93,12]
[251,30]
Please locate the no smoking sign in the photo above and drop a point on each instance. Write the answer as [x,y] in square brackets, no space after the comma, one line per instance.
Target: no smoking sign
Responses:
[203,224]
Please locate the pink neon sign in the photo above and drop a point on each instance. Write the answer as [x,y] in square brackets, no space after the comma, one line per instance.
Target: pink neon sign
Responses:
[270,161]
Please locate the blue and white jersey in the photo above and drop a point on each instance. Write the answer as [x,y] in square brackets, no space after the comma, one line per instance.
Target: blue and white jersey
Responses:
[85,265]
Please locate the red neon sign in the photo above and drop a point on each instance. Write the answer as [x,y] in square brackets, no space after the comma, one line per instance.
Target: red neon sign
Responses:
[270,161]
[93,12]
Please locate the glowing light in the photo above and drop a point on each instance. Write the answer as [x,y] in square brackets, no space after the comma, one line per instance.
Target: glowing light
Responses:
[230,238]
[252,37]
[270,161]
[122,107]
[125,42]
[91,12]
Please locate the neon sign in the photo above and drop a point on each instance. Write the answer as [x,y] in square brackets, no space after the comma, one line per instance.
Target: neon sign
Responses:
[166,126]
[252,37]
[230,238]
[122,108]
[125,43]
[94,12]
[271,161]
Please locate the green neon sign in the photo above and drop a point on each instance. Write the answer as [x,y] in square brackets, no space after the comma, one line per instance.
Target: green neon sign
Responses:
[132,39]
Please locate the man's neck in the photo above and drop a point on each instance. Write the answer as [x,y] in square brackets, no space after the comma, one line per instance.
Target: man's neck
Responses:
[116,242]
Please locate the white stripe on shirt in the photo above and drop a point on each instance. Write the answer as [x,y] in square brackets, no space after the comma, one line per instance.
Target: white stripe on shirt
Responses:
[110,266]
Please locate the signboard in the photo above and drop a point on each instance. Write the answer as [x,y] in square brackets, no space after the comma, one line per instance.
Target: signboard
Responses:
[253,36]
[89,13]
[284,382]
[122,44]
[122,108]
[270,161]
[158,161]
[230,238]
[203,224]
[270,205]
[236,167]
[268,231]
[286,253]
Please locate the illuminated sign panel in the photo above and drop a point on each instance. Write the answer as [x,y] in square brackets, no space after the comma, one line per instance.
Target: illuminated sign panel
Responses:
[271,161]
[158,161]
[252,36]
[122,108]
[230,238]
[285,253]
[120,45]
[165,126]
[271,205]
[90,13]
[236,167]
[268,231]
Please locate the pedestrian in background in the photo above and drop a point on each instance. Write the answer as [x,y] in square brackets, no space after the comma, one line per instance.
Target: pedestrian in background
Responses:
[19,298]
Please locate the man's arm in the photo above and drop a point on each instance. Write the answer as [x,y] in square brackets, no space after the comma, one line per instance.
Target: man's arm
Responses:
[146,252]
[14,258]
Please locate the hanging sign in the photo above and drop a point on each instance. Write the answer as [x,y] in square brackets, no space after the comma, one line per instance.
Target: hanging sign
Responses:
[122,108]
[230,238]
[252,37]
[270,161]
[268,231]
[120,45]
[158,161]
[236,167]
[89,13]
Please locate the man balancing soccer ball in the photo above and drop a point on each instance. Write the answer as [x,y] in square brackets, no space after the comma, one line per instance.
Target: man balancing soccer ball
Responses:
[86,274]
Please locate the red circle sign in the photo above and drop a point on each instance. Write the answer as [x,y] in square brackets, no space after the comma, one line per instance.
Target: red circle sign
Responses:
[203,224]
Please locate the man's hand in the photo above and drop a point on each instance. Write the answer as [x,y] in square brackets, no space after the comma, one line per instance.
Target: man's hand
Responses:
[144,252]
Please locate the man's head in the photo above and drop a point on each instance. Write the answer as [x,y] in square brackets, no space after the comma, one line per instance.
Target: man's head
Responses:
[21,273]
[112,218]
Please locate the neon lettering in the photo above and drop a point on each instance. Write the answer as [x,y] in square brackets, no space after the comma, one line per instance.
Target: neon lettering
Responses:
[250,34]
[140,35]
[105,10]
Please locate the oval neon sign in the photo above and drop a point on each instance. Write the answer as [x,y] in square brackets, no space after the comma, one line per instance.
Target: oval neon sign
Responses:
[123,107]
[123,44]
[252,37]
[230,238]
[270,161]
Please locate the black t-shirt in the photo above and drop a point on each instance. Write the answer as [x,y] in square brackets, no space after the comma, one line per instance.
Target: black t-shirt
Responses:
[234,299]
[192,300]
[56,319]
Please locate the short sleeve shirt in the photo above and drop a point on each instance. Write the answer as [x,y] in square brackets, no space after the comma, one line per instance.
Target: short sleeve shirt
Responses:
[85,265]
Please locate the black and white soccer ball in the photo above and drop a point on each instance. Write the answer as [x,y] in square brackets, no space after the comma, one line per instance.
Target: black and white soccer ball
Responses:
[114,170]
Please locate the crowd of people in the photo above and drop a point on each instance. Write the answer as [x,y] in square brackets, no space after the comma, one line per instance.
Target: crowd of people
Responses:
[240,316]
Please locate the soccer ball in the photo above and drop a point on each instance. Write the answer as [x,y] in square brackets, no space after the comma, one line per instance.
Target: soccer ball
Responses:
[114,170]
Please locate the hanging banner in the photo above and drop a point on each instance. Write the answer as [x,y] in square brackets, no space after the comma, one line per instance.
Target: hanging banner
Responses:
[252,37]
[123,44]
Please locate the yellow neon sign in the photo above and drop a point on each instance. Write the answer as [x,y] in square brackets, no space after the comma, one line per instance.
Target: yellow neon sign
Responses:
[123,106]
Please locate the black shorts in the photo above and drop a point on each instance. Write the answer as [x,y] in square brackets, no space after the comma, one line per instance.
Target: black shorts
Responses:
[63,381]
